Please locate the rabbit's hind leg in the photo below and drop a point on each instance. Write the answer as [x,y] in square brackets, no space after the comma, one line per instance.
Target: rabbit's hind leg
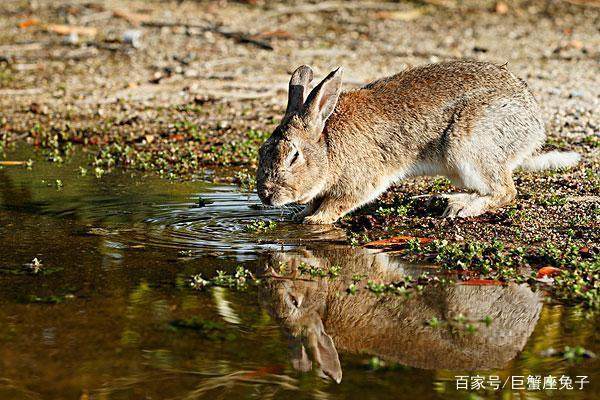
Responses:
[492,189]
[484,145]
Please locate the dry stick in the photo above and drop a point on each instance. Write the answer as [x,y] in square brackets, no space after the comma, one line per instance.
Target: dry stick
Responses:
[328,6]
[16,48]
[21,92]
[240,37]
[12,163]
[589,3]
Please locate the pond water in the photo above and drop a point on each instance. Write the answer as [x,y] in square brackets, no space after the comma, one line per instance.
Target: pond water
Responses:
[111,314]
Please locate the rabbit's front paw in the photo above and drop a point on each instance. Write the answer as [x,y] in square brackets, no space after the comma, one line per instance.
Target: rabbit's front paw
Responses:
[465,205]
[319,219]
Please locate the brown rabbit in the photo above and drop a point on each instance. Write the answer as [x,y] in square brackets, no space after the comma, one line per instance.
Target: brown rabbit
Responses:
[322,318]
[473,122]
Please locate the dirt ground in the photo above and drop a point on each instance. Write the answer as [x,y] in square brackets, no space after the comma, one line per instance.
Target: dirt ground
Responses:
[175,87]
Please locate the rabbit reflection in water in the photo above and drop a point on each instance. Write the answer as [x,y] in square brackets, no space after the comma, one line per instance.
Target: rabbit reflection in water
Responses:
[322,319]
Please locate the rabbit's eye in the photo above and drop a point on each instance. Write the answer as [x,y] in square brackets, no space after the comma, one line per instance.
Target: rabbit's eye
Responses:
[294,158]
[294,301]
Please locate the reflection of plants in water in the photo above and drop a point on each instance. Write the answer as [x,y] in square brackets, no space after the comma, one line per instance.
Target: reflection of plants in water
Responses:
[316,271]
[238,280]
[210,330]
[539,356]
[267,381]
[460,323]
[12,389]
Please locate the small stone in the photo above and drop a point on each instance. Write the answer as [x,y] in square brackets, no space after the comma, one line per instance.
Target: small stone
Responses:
[576,93]
[191,73]
[501,7]
[132,37]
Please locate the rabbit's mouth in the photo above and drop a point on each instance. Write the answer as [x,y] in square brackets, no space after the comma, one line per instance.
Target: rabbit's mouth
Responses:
[274,199]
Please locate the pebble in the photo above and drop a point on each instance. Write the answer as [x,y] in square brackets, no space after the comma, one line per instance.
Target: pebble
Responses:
[132,37]
[576,93]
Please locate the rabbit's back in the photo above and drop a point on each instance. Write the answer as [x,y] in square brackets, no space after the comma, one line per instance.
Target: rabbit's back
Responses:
[438,86]
[417,114]
[423,100]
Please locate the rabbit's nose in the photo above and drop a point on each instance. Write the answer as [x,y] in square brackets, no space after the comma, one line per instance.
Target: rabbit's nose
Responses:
[266,197]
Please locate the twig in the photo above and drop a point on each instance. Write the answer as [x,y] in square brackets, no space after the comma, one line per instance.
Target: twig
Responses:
[71,29]
[328,6]
[239,37]
[590,3]
[12,163]
[14,48]
[21,92]
[133,18]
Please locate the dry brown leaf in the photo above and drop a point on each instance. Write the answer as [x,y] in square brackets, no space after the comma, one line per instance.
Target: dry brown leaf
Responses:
[548,272]
[29,22]
[395,242]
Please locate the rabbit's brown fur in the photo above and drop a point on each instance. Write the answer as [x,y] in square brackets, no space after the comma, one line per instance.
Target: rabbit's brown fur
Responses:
[473,122]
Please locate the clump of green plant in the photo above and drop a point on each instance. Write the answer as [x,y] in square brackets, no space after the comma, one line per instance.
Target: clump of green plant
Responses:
[400,210]
[592,140]
[577,283]
[440,184]
[552,200]
[260,225]
[580,283]
[240,152]
[245,180]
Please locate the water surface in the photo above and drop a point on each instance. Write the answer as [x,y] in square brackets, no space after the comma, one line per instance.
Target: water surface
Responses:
[111,314]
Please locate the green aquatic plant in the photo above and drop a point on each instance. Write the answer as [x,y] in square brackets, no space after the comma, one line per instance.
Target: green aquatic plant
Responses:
[246,180]
[260,225]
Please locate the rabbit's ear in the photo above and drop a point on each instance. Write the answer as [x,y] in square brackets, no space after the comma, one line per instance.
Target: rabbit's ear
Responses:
[324,352]
[299,81]
[322,100]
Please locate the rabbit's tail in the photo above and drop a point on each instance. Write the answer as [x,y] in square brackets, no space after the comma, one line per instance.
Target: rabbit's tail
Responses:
[551,160]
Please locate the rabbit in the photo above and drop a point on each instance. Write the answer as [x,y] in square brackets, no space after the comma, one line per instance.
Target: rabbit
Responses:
[321,317]
[473,122]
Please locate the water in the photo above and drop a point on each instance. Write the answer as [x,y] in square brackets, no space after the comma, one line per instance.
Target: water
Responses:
[111,314]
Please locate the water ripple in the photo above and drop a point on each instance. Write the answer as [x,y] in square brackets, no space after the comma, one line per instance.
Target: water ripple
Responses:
[219,227]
